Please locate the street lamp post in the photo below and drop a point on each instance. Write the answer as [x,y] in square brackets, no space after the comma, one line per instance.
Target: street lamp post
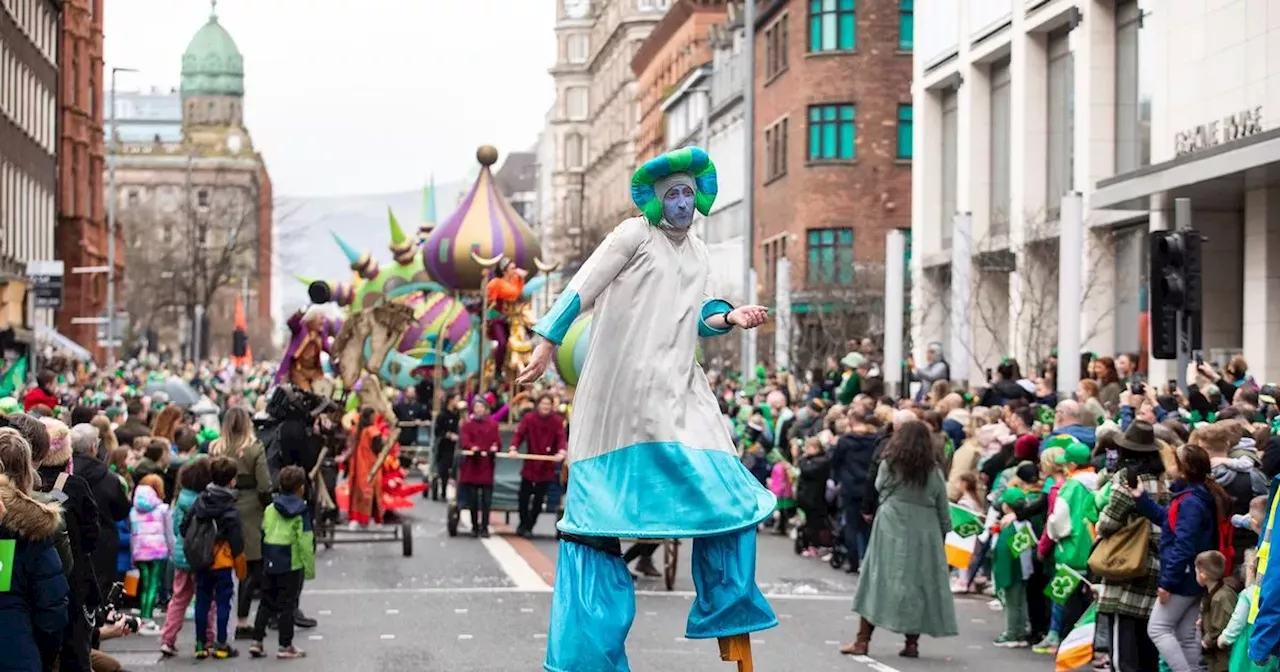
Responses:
[111,221]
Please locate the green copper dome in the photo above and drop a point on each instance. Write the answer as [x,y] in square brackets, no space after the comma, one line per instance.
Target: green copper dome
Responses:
[212,64]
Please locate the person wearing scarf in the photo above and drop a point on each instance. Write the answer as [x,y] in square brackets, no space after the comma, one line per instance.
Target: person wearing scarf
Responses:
[651,457]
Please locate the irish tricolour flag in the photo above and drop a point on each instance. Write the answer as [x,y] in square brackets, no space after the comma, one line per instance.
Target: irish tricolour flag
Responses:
[961,540]
[1076,649]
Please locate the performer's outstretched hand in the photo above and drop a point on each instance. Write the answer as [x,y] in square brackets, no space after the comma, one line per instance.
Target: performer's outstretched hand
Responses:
[537,364]
[748,317]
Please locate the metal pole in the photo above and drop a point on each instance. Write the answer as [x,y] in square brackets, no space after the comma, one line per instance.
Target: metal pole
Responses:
[111,225]
[1070,288]
[1182,222]
[748,356]
[894,309]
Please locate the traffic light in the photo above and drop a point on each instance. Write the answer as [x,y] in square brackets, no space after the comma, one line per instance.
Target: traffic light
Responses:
[1174,290]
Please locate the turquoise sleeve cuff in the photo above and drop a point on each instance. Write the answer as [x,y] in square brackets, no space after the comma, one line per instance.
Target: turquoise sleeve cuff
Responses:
[555,324]
[713,307]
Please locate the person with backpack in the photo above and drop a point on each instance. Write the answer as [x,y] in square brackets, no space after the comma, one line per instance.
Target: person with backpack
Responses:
[1198,519]
[213,541]
[193,478]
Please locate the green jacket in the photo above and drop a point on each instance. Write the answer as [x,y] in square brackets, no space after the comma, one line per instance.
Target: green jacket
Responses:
[288,541]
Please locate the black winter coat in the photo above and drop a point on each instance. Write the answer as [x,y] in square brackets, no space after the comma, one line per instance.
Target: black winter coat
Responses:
[113,506]
[80,511]
[851,464]
[811,486]
[34,612]
[219,503]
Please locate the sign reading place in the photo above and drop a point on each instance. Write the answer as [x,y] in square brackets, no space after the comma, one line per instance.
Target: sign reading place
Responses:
[1231,127]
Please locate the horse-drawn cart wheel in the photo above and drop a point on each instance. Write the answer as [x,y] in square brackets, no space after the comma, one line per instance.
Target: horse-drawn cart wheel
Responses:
[671,559]
[406,540]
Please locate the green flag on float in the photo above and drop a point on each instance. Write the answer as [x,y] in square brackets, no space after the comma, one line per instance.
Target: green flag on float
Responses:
[965,522]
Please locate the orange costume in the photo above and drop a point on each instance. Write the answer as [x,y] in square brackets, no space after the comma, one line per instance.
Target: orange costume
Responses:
[501,293]
[365,497]
[389,492]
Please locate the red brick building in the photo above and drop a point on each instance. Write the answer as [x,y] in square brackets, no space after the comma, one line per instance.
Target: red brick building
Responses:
[832,172]
[82,230]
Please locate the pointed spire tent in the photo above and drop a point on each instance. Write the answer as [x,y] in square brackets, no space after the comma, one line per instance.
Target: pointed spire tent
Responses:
[403,247]
[484,225]
[361,262]
[428,210]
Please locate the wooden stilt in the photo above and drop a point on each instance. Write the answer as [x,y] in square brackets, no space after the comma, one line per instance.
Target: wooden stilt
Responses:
[737,649]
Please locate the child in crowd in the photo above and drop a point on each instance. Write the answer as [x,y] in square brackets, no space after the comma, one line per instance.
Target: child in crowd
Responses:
[155,459]
[781,483]
[1216,608]
[217,506]
[813,469]
[971,496]
[288,554]
[1009,573]
[193,478]
[1235,637]
[150,549]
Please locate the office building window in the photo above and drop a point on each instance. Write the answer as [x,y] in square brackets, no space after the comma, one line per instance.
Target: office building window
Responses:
[832,25]
[830,253]
[775,150]
[831,132]
[577,48]
[1061,102]
[576,102]
[950,161]
[1001,147]
[1133,89]
[906,24]
[776,43]
[905,129]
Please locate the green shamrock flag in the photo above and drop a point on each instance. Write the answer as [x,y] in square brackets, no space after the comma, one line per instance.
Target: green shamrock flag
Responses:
[7,547]
[1064,584]
[965,522]
[1024,539]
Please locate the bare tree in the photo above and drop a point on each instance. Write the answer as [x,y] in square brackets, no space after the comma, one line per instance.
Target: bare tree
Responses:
[1030,302]
[183,261]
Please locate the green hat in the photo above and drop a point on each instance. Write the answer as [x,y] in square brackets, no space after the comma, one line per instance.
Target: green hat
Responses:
[1074,452]
[1013,497]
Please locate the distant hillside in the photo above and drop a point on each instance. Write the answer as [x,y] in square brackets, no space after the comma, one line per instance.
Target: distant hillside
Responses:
[304,246]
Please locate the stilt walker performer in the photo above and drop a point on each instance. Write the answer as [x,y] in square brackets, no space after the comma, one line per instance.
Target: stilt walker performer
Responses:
[651,456]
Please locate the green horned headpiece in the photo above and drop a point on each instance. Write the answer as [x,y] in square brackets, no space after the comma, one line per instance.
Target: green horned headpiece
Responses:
[691,160]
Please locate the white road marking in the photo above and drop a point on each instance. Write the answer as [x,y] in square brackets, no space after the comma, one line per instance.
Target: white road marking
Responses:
[784,615]
[464,590]
[325,612]
[539,635]
[315,638]
[831,642]
[650,613]
[682,639]
[874,664]
[515,566]
[392,612]
[526,610]
[977,620]
[388,637]
[459,611]
[757,641]
[975,647]
[462,638]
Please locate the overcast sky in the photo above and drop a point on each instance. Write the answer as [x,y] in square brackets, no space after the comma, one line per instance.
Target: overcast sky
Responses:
[361,96]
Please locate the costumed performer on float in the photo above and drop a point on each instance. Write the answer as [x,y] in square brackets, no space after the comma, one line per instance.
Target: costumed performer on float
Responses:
[504,290]
[651,456]
[312,334]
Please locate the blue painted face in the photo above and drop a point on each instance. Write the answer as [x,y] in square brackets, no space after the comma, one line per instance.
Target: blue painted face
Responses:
[677,206]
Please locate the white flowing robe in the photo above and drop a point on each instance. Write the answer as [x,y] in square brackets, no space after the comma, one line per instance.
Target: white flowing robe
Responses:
[651,454]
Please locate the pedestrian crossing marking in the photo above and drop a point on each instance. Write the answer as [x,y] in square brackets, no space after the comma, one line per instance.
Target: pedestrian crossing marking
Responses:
[459,611]
[392,612]
[388,637]
[462,638]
